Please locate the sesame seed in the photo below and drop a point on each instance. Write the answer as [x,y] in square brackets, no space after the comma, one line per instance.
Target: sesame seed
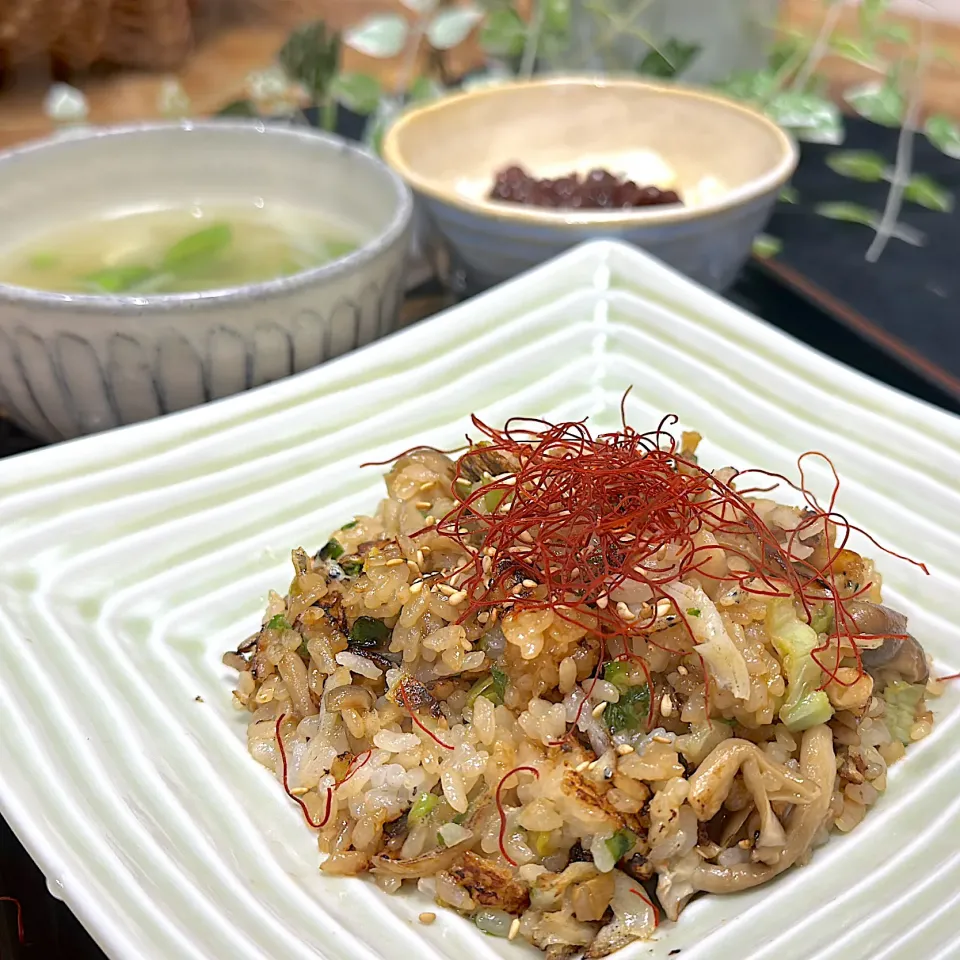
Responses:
[486,564]
[427,917]
[525,536]
[446,589]
[425,550]
[457,598]
[580,767]
[483,617]
[420,560]
[744,844]
[463,481]
[593,765]
[514,929]
[530,584]
[416,587]
[682,670]
[298,791]
[430,520]
[509,481]
[574,573]
[413,568]
[395,562]
[661,739]
[490,551]
[494,613]
[666,705]
[602,601]
[624,749]
[599,708]
[427,485]
[424,504]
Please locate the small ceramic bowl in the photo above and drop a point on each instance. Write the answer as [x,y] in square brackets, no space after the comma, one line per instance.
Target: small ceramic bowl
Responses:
[75,364]
[727,161]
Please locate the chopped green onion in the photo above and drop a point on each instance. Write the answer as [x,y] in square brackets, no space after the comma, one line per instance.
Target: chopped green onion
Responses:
[349,526]
[331,550]
[621,843]
[440,839]
[630,711]
[422,807]
[278,622]
[367,632]
[500,681]
[822,620]
[618,673]
[493,499]
[540,841]
[352,568]
[482,688]
[693,612]
[806,705]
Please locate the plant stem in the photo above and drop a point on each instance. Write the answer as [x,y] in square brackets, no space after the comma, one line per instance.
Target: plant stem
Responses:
[328,119]
[820,46]
[901,170]
[532,42]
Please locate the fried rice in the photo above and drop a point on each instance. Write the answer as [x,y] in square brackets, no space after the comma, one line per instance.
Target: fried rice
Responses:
[564,683]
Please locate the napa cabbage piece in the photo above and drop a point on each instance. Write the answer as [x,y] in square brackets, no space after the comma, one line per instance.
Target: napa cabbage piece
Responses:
[902,700]
[714,644]
[805,706]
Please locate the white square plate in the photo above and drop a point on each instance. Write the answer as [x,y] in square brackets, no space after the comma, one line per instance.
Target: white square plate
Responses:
[130,561]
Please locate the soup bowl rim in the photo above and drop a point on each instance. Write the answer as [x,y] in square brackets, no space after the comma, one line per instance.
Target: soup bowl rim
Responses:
[138,304]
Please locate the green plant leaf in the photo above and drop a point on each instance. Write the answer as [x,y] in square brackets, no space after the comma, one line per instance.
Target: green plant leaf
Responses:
[670,60]
[856,49]
[858,165]
[423,89]
[765,246]
[878,101]
[556,16]
[450,27]
[893,33]
[870,12]
[238,108]
[944,134]
[311,57]
[381,36]
[752,87]
[808,116]
[926,192]
[848,213]
[358,91]
[789,194]
[504,33]
[786,50]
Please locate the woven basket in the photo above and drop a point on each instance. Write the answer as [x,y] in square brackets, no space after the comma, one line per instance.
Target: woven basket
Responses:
[151,34]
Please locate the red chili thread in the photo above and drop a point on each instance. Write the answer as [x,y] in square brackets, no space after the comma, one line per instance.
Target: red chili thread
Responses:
[407,452]
[21,937]
[650,904]
[581,514]
[503,813]
[286,786]
[351,770]
[413,716]
[949,676]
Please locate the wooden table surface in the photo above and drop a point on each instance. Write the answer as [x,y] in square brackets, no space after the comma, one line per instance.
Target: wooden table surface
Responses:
[237,36]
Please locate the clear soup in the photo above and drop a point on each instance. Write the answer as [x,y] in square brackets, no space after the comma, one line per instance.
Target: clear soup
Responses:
[181,250]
